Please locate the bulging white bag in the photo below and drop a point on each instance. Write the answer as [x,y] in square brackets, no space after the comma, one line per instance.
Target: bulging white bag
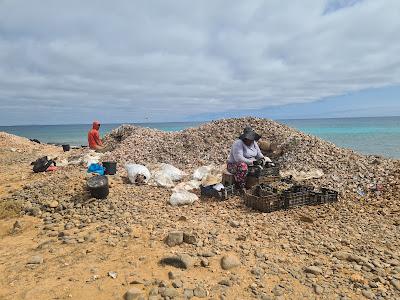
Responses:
[160,179]
[134,170]
[188,186]
[202,172]
[182,197]
[174,173]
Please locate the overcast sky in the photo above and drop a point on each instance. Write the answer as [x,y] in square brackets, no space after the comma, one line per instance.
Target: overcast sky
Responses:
[134,61]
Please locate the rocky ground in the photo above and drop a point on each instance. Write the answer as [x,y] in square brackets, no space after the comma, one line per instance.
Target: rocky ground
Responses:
[64,244]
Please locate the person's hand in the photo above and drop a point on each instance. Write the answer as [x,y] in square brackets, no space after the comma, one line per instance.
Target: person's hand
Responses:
[252,160]
[267,159]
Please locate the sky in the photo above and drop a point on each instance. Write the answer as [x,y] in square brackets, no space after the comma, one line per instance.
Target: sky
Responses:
[150,61]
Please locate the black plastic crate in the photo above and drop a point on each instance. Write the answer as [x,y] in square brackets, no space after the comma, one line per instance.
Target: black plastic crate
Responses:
[269,170]
[263,189]
[292,199]
[325,196]
[267,203]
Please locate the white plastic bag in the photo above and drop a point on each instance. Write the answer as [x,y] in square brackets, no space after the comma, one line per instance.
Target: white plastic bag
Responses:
[92,158]
[160,179]
[202,172]
[174,173]
[188,186]
[134,170]
[182,197]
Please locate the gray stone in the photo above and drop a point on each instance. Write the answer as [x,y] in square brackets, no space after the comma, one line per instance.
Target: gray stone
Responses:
[234,224]
[35,211]
[229,262]
[373,284]
[17,227]
[396,284]
[368,294]
[69,226]
[36,260]
[182,261]
[153,291]
[177,284]
[170,292]
[171,275]
[313,270]
[53,204]
[257,271]
[188,293]
[163,284]
[174,238]
[200,292]
[393,262]
[133,294]
[225,282]
[90,238]
[318,289]
[190,238]
[342,255]
[278,291]
[265,297]
[204,262]
[207,254]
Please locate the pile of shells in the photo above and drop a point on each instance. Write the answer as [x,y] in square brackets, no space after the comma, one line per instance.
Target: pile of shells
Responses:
[344,169]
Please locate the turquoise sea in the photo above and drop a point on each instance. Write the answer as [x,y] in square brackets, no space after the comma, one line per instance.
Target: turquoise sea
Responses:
[379,135]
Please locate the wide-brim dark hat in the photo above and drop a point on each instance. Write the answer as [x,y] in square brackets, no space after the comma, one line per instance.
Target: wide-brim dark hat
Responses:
[249,134]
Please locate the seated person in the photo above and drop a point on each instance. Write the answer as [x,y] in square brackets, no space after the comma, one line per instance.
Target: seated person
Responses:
[94,140]
[244,152]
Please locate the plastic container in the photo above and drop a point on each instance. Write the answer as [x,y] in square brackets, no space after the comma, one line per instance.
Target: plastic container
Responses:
[66,148]
[110,167]
[98,186]
[267,203]
[325,196]
[251,181]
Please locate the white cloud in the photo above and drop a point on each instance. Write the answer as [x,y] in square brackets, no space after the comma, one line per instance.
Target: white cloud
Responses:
[170,59]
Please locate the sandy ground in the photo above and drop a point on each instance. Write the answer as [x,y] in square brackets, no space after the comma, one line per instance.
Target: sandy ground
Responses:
[280,244]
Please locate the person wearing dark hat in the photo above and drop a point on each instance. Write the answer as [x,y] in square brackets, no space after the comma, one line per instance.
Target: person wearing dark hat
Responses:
[244,153]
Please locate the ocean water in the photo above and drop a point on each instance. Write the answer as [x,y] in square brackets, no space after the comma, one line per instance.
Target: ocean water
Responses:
[380,136]
[76,134]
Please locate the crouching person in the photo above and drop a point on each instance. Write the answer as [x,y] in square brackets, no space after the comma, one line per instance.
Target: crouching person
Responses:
[244,153]
[94,140]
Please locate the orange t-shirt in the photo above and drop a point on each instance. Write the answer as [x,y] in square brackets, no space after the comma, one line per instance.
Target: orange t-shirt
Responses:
[94,139]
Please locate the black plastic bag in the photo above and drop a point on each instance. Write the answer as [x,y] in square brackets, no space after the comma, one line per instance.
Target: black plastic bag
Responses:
[41,164]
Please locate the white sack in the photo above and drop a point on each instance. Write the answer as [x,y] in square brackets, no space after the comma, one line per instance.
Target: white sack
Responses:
[188,186]
[160,179]
[182,197]
[202,172]
[174,173]
[134,170]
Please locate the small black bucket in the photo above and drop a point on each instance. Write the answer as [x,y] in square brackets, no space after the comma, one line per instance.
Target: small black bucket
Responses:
[98,187]
[110,167]
[66,148]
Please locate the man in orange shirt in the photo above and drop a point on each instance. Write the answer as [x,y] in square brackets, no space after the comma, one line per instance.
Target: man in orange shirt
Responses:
[94,140]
